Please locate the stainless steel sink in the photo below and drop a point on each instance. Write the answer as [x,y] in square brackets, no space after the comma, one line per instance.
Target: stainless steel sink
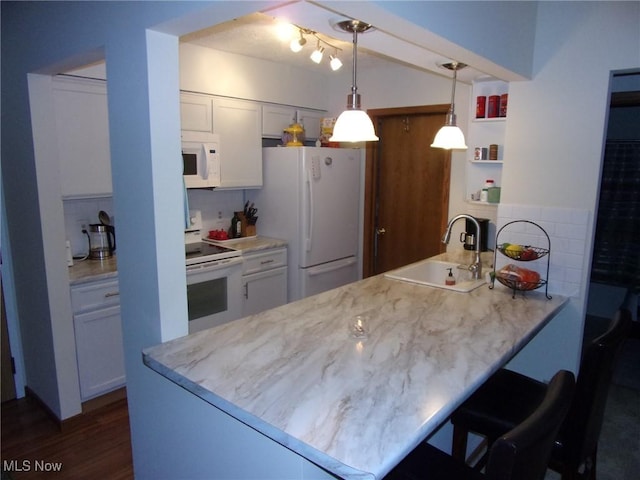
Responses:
[432,273]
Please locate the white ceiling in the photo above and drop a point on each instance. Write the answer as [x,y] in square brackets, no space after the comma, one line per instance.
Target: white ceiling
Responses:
[256,35]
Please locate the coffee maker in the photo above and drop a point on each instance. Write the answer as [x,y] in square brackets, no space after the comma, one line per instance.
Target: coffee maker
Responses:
[470,236]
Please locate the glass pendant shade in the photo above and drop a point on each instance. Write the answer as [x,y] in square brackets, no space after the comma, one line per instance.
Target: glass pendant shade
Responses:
[297,43]
[450,136]
[317,54]
[335,63]
[353,126]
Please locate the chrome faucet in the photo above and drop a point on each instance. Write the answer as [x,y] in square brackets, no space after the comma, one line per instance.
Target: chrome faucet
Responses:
[476,267]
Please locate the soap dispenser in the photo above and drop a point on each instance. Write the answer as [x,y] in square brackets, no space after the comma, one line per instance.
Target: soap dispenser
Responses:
[450,279]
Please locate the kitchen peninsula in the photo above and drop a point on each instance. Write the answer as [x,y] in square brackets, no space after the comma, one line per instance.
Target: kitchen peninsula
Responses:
[355,406]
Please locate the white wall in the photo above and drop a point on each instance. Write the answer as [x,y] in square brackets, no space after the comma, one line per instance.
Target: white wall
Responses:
[556,129]
[577,44]
[219,73]
[501,31]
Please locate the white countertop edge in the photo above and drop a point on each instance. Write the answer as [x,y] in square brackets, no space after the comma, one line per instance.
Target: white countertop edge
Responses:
[321,459]
[419,432]
[326,461]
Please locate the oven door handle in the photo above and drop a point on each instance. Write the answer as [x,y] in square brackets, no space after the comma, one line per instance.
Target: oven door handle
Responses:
[212,266]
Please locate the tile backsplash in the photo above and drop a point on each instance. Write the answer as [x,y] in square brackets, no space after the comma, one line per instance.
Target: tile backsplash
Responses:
[78,212]
[217,208]
[568,230]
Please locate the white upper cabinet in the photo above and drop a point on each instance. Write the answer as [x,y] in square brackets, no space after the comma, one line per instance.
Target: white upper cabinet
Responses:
[239,125]
[238,122]
[275,118]
[196,112]
[82,125]
[310,120]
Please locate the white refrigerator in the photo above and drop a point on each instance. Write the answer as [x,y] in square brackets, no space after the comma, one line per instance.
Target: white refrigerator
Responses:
[311,197]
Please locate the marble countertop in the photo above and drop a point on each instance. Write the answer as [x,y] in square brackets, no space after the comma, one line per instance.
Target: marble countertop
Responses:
[354,406]
[90,270]
[93,270]
[252,244]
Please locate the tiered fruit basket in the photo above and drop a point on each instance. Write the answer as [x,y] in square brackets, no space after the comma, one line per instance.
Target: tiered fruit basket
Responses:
[519,278]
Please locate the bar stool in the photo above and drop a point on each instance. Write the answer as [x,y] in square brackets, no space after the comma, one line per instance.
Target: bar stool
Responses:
[520,454]
[508,397]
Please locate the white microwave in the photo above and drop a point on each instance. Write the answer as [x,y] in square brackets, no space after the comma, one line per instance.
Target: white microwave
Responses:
[201,159]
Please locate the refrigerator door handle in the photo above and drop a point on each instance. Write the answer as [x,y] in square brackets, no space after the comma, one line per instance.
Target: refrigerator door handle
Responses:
[322,269]
[310,216]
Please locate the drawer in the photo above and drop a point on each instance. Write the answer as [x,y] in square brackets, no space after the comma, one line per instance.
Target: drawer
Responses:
[93,296]
[265,260]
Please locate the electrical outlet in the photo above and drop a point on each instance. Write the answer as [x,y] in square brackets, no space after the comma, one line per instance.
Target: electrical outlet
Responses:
[83,224]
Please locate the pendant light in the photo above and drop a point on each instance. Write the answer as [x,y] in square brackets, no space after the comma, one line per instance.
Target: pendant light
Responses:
[353,125]
[450,136]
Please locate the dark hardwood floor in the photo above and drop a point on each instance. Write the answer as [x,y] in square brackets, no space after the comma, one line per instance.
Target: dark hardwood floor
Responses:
[95,444]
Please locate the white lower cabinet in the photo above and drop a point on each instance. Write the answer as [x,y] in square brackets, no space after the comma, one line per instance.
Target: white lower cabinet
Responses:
[98,332]
[264,281]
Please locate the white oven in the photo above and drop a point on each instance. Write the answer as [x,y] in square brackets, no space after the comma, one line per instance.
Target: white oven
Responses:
[214,293]
[214,279]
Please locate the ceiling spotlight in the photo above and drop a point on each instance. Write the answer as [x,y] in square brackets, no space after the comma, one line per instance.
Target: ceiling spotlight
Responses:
[297,43]
[335,62]
[317,54]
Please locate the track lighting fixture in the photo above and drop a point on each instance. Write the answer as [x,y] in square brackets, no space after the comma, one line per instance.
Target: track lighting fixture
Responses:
[297,43]
[317,55]
[335,62]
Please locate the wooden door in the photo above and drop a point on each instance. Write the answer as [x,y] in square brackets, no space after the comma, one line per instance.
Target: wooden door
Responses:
[407,199]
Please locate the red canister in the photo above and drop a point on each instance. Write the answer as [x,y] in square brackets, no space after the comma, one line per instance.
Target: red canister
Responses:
[481,103]
[504,98]
[494,106]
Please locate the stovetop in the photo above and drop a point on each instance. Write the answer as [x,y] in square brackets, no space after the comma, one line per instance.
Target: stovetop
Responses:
[201,252]
[198,251]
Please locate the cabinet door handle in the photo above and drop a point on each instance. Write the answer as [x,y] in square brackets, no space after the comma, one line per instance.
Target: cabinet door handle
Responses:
[246,290]
[265,262]
[111,294]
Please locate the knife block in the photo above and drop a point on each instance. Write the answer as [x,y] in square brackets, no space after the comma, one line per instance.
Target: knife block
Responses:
[249,231]
[245,229]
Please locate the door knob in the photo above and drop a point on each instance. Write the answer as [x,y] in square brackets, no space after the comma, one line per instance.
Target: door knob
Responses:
[380,231]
